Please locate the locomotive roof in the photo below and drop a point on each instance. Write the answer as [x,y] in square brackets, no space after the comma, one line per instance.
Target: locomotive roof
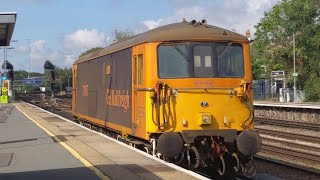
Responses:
[183,31]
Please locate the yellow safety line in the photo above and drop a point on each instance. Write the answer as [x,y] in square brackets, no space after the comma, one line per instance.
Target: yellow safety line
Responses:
[70,149]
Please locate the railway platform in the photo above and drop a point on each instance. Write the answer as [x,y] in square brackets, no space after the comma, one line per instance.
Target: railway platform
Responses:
[298,114]
[36,144]
[306,105]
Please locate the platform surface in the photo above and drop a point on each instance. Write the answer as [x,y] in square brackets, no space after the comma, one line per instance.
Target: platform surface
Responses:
[27,152]
[36,152]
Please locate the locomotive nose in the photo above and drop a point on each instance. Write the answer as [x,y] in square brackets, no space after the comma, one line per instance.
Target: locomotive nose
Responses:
[249,142]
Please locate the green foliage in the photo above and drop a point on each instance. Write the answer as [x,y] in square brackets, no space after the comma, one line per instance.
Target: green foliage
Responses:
[118,36]
[312,89]
[274,40]
[29,89]
[20,74]
[257,70]
[278,67]
[90,51]
[62,75]
[122,35]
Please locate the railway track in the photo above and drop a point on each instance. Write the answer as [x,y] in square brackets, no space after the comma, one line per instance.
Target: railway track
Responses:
[292,153]
[288,135]
[297,148]
[287,123]
[285,154]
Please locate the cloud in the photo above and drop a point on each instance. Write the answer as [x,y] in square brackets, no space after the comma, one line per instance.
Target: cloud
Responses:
[39,53]
[39,50]
[70,58]
[64,56]
[231,14]
[151,24]
[85,39]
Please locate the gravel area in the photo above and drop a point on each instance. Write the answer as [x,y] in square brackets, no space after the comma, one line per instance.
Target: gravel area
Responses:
[290,160]
[282,171]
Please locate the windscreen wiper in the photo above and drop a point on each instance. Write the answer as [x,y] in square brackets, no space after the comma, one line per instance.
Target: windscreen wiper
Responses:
[221,53]
[179,51]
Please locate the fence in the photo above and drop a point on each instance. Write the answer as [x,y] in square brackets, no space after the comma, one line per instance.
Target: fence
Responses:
[264,90]
[261,89]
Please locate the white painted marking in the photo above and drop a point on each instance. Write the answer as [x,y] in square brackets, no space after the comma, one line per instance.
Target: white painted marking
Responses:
[302,106]
[132,148]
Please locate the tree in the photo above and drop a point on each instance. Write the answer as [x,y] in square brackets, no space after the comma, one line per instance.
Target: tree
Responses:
[122,35]
[257,70]
[90,51]
[61,80]
[20,74]
[118,36]
[62,75]
[274,42]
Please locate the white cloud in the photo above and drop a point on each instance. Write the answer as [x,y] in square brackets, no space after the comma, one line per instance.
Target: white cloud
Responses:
[151,24]
[22,49]
[63,56]
[192,12]
[39,53]
[38,50]
[70,58]
[84,39]
[231,14]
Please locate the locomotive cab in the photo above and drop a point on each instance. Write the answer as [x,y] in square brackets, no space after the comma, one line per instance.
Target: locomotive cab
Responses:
[198,98]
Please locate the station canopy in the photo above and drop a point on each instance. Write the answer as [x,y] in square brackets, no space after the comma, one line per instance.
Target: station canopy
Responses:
[7,23]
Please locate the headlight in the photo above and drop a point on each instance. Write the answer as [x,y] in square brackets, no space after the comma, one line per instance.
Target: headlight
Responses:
[205,118]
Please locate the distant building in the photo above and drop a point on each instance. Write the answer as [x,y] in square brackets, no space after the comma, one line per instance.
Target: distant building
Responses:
[34,81]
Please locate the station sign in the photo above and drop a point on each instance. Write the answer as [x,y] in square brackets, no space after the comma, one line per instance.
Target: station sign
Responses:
[277,73]
[278,79]
[295,74]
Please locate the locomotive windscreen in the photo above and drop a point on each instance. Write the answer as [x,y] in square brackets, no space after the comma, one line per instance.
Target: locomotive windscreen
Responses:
[200,60]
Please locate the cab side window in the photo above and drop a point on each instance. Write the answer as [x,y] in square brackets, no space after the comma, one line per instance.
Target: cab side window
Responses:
[140,69]
[134,73]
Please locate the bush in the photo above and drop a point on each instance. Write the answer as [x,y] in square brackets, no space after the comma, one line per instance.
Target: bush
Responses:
[312,89]
[29,89]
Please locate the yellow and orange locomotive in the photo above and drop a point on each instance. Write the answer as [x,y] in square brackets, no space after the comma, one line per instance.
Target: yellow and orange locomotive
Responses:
[183,89]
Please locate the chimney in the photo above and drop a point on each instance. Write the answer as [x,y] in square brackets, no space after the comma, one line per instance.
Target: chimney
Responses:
[248,34]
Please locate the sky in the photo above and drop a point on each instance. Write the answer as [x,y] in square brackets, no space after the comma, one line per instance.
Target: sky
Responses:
[59,30]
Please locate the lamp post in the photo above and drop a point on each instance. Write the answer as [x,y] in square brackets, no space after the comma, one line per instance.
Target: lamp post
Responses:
[68,83]
[6,58]
[294,74]
[29,41]
[5,55]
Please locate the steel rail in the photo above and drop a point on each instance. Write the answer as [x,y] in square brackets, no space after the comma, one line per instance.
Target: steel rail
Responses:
[289,135]
[290,153]
[288,123]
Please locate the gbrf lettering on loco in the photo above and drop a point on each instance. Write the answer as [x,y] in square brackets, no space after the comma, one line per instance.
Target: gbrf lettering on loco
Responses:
[183,91]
